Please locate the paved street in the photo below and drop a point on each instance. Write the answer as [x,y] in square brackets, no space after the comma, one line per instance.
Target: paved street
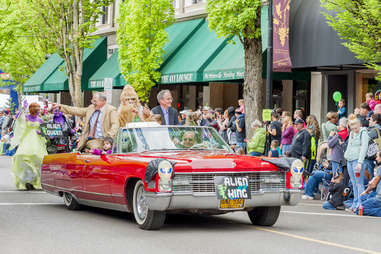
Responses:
[36,222]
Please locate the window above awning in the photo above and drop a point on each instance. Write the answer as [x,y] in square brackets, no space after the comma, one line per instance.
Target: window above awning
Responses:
[93,58]
[34,83]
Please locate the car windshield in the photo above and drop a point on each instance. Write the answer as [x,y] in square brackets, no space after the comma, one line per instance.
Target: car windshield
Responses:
[170,138]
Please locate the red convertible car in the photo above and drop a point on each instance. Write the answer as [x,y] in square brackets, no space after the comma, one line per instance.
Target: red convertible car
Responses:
[154,170]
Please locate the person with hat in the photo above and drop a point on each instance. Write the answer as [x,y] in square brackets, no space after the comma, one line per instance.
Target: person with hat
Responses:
[301,142]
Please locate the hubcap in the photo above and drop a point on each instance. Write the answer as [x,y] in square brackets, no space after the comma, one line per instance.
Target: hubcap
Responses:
[141,203]
[68,198]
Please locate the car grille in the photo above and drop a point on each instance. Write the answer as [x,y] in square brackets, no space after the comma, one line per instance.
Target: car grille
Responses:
[204,183]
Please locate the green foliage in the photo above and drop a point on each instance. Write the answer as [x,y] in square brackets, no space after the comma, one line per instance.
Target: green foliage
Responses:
[21,52]
[359,24]
[235,17]
[141,37]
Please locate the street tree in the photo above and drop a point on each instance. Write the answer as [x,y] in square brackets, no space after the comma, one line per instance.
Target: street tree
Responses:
[242,18]
[68,26]
[358,23]
[21,52]
[141,38]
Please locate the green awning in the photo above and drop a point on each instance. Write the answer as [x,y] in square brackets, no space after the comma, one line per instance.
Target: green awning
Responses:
[188,63]
[110,69]
[178,34]
[34,84]
[229,64]
[93,58]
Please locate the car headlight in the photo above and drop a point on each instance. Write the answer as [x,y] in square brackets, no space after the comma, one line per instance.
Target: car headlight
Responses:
[297,168]
[165,170]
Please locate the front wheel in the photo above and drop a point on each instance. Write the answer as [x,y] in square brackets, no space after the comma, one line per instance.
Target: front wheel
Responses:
[264,216]
[70,202]
[146,218]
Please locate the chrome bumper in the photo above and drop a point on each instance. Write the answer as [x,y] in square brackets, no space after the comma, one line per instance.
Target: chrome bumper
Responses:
[171,201]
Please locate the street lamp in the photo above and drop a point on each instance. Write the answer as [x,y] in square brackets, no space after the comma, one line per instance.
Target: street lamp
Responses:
[269,66]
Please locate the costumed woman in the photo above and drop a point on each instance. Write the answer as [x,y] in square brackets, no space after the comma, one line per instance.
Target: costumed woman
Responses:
[130,109]
[31,149]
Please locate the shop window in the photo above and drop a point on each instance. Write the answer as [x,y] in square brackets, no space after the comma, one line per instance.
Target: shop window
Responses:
[301,96]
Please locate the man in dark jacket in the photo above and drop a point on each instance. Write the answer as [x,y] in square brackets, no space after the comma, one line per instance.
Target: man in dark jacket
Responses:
[168,114]
[301,143]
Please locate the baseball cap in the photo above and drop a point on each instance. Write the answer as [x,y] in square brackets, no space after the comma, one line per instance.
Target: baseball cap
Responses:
[299,121]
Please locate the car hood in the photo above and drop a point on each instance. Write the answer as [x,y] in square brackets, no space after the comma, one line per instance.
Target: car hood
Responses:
[216,160]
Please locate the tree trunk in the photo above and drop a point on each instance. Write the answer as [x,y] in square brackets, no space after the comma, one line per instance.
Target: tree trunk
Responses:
[253,92]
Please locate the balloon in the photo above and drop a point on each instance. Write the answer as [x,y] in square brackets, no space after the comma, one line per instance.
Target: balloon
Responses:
[337,96]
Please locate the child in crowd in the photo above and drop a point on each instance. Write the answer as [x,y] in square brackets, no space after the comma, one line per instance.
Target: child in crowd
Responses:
[337,193]
[342,110]
[157,118]
[274,149]
[107,147]
[371,101]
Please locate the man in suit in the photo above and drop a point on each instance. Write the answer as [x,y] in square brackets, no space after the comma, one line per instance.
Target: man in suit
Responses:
[100,118]
[169,115]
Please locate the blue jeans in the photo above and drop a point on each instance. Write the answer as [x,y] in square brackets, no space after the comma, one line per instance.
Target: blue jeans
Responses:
[357,182]
[372,207]
[256,154]
[336,167]
[285,148]
[314,180]
[369,164]
[242,145]
[328,206]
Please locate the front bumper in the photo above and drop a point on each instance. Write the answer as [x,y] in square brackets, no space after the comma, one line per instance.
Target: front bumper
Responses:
[171,201]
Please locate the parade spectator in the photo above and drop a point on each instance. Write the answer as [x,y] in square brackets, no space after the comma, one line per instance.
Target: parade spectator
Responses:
[231,128]
[101,121]
[208,119]
[240,129]
[298,114]
[279,112]
[165,109]
[323,172]
[337,193]
[355,155]
[274,148]
[256,145]
[287,134]
[363,114]
[335,143]
[275,128]
[377,109]
[374,133]
[286,113]
[330,125]
[2,117]
[371,101]
[223,123]
[313,126]
[342,110]
[301,143]
[372,204]
[241,104]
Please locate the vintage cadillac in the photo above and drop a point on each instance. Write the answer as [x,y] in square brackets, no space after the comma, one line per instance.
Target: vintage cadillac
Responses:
[155,170]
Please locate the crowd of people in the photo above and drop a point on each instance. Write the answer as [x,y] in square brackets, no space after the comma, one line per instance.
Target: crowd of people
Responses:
[340,156]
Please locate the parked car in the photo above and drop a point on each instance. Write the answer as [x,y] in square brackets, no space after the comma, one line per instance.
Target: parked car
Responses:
[154,170]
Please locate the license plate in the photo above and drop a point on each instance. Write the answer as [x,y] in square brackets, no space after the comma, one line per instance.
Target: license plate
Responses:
[232,203]
[232,187]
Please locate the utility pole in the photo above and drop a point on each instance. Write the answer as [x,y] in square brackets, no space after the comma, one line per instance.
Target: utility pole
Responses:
[269,69]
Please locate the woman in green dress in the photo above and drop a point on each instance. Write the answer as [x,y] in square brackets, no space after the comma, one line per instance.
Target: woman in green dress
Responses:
[31,149]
